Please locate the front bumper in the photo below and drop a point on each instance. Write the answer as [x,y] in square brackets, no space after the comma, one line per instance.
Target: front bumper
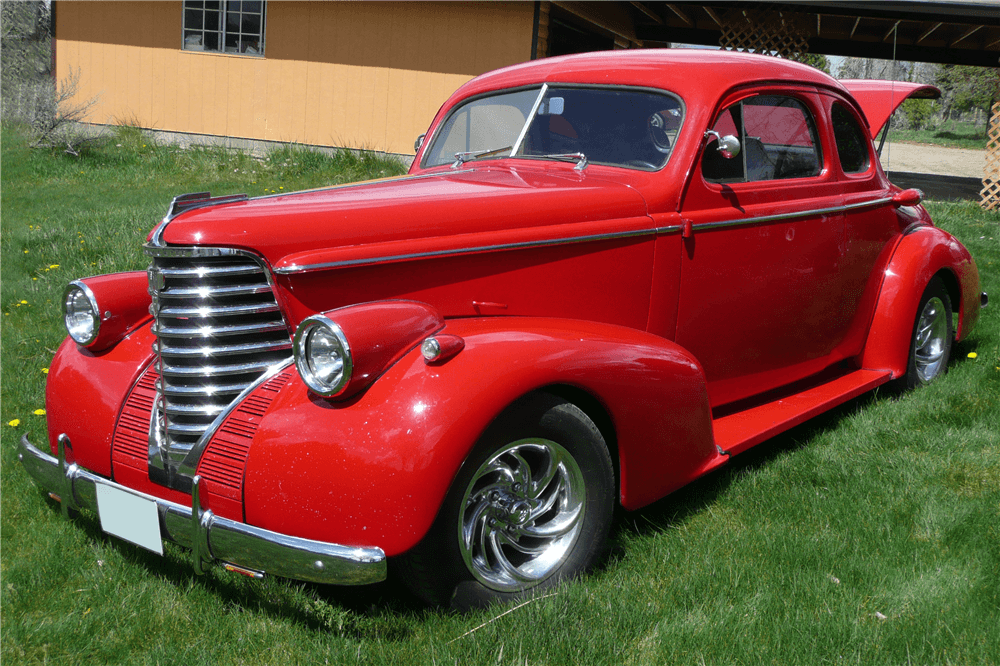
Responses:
[251,549]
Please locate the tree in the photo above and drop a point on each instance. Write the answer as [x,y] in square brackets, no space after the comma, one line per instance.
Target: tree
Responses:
[967,88]
[817,60]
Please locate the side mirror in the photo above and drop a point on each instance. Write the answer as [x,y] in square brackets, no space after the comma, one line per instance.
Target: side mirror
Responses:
[729,145]
[419,142]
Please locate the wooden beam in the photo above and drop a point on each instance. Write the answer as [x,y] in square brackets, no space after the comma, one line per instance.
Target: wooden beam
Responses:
[648,12]
[891,30]
[818,17]
[928,32]
[968,32]
[993,43]
[684,17]
[855,27]
[712,15]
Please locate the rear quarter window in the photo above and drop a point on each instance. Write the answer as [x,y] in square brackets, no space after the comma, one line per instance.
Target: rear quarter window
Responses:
[852,140]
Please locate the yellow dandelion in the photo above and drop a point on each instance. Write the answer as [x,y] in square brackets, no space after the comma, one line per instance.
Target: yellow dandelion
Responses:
[39,412]
[45,371]
[14,423]
[24,302]
[34,278]
[54,266]
[973,354]
[26,252]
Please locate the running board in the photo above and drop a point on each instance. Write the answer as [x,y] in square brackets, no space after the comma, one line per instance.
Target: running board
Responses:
[738,431]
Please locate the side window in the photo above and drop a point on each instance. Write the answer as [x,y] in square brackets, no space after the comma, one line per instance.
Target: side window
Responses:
[778,139]
[852,142]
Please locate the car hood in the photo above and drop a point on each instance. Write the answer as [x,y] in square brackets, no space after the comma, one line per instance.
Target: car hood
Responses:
[355,220]
[879,99]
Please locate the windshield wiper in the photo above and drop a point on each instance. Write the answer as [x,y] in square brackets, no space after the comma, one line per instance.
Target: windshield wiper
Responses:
[462,158]
[579,158]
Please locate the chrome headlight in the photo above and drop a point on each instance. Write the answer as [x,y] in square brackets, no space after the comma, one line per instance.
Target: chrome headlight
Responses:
[81,313]
[322,356]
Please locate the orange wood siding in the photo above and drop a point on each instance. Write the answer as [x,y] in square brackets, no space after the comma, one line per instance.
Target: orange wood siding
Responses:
[354,74]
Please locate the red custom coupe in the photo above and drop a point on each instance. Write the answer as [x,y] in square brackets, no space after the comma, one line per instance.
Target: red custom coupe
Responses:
[604,276]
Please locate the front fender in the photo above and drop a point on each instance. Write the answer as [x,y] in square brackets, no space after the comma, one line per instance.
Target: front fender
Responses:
[374,469]
[920,255]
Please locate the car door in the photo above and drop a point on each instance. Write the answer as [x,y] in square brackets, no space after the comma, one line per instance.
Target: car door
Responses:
[760,293]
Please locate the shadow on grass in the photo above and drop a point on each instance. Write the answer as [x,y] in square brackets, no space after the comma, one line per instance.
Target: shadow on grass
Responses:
[679,507]
[386,611]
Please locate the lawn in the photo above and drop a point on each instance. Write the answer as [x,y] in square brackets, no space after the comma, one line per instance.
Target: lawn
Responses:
[870,535]
[949,134]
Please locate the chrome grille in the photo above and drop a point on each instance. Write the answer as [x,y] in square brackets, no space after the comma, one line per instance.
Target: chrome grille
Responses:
[219,330]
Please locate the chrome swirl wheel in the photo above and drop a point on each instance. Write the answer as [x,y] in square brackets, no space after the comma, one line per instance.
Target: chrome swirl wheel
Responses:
[933,335]
[521,514]
[530,508]
[931,341]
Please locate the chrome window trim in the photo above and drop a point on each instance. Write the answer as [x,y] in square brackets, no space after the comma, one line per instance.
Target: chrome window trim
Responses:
[763,219]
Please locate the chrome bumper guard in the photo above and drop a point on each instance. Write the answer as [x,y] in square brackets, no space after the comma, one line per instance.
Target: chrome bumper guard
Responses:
[247,549]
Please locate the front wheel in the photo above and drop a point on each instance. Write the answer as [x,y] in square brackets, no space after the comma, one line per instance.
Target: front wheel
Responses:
[531,506]
[930,344]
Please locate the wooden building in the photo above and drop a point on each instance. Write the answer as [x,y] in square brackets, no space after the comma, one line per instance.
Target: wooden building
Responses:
[349,74]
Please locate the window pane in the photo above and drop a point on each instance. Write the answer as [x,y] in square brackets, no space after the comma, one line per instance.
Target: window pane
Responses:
[779,139]
[235,27]
[484,124]
[852,142]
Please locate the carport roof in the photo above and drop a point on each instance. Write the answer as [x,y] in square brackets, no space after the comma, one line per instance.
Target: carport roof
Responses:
[943,31]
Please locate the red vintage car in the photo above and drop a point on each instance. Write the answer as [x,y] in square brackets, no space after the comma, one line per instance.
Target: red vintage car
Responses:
[603,277]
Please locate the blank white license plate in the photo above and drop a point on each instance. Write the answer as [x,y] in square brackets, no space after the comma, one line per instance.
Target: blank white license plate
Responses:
[129,517]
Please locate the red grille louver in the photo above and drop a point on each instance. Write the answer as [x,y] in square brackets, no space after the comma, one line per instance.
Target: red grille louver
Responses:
[225,457]
[130,445]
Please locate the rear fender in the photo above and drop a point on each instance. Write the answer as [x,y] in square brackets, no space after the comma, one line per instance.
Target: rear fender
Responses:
[375,468]
[921,254]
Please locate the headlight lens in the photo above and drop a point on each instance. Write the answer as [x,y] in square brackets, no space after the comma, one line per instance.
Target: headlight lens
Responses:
[322,356]
[81,313]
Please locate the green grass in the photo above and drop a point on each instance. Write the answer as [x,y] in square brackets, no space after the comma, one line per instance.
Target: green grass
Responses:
[949,134]
[884,506]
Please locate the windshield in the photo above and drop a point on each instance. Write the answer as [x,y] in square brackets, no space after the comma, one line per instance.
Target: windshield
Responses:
[616,126]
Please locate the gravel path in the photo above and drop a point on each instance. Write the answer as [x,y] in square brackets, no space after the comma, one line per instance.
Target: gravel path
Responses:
[925,158]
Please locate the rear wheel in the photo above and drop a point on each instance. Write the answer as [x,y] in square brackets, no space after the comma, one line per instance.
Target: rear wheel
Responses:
[930,344]
[531,506]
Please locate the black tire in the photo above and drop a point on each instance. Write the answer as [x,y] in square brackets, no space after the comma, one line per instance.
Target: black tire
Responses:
[932,338]
[499,537]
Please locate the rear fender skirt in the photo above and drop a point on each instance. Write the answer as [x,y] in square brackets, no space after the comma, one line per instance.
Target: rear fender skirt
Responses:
[919,256]
[375,468]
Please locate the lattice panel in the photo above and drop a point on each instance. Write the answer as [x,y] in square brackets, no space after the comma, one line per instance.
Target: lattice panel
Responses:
[990,194]
[771,33]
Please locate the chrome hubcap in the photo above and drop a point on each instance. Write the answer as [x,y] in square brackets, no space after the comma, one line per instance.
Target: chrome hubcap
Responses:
[931,340]
[521,514]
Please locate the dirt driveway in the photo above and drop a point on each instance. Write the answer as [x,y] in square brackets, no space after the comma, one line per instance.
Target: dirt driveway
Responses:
[924,158]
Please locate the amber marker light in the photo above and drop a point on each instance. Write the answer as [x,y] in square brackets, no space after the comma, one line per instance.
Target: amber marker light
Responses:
[439,348]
